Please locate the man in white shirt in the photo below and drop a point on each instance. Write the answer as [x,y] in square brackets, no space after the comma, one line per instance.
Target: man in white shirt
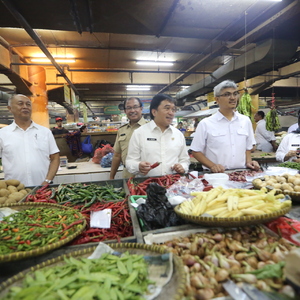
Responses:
[29,151]
[158,141]
[225,139]
[265,140]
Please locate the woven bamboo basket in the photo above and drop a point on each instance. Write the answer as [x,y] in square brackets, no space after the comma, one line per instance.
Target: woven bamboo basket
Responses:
[41,250]
[173,290]
[295,196]
[233,222]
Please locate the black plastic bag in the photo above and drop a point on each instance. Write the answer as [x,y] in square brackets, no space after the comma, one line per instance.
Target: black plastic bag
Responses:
[157,212]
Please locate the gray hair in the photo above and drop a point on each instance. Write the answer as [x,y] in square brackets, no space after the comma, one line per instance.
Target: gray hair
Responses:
[224,85]
[13,97]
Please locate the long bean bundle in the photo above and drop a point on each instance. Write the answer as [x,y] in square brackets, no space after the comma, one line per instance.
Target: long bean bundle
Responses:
[245,105]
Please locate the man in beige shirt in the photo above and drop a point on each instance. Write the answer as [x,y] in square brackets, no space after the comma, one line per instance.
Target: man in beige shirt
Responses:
[133,108]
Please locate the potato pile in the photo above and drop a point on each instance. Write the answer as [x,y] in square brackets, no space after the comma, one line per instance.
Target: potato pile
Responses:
[12,191]
[286,183]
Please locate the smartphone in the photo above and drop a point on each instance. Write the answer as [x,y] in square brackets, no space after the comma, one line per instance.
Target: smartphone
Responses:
[71,167]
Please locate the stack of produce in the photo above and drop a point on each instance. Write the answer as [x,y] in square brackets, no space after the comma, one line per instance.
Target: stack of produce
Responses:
[77,193]
[286,183]
[37,227]
[121,224]
[290,164]
[140,188]
[245,255]
[88,198]
[232,203]
[12,191]
[108,277]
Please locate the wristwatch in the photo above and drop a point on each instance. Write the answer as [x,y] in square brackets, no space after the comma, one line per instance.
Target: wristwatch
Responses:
[48,181]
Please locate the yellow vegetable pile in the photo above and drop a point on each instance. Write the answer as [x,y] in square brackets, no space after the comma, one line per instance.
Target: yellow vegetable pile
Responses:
[12,191]
[231,203]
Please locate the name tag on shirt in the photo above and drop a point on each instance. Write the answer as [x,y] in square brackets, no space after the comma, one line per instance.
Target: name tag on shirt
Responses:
[295,145]
[151,139]
[122,134]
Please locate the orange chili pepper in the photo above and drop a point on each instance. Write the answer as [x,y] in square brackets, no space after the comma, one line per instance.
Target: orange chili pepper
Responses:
[76,216]
[7,237]
[31,229]
[15,229]
[18,237]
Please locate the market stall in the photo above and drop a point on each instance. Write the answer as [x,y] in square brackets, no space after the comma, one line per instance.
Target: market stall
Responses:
[227,232]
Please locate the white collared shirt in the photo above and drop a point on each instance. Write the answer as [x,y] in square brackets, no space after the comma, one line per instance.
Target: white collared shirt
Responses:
[224,142]
[293,127]
[149,143]
[25,153]
[263,136]
[290,142]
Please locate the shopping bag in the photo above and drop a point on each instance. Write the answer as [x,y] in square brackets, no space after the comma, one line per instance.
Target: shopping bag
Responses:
[86,145]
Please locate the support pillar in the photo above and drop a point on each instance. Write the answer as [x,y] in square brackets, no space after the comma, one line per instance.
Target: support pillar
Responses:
[37,76]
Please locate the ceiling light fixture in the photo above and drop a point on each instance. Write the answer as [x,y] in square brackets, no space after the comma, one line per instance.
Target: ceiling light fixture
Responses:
[138,88]
[46,60]
[154,63]
[68,58]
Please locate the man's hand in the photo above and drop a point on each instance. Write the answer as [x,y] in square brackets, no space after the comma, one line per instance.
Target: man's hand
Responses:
[178,168]
[217,168]
[254,165]
[144,167]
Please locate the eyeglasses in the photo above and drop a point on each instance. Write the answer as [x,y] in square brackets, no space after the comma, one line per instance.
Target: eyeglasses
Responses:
[228,95]
[169,108]
[132,108]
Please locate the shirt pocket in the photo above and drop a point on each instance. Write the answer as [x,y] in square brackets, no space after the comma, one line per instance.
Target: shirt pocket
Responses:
[242,134]
[40,143]
[123,142]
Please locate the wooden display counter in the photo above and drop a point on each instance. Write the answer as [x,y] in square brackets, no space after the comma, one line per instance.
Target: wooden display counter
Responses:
[264,158]
[61,142]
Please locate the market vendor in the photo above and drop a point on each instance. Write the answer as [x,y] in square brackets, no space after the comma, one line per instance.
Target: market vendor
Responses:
[265,139]
[28,150]
[157,148]
[59,129]
[289,148]
[225,139]
[133,108]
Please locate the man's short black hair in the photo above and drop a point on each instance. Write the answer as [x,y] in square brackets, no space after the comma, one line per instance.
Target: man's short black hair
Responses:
[261,113]
[157,99]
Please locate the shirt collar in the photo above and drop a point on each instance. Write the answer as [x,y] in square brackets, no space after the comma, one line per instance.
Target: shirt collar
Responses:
[153,126]
[220,116]
[16,126]
[141,122]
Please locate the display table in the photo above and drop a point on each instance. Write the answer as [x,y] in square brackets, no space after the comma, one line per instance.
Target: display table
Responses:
[264,158]
[84,172]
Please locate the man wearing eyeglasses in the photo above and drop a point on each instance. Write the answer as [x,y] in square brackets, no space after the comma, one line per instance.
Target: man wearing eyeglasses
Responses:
[158,148]
[133,108]
[225,139]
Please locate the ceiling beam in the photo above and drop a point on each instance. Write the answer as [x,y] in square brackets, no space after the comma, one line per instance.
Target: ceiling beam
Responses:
[21,20]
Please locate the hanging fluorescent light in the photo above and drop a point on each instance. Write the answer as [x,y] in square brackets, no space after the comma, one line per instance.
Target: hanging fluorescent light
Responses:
[46,60]
[154,63]
[138,87]
[58,58]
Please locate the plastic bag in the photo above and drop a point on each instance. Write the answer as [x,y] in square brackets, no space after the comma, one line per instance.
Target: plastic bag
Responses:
[86,145]
[183,187]
[106,160]
[157,212]
[100,152]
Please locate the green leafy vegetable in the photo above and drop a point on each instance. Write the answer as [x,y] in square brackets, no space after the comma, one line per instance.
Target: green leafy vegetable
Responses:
[270,271]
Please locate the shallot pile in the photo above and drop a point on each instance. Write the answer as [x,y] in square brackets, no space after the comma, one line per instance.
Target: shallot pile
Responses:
[242,255]
[241,175]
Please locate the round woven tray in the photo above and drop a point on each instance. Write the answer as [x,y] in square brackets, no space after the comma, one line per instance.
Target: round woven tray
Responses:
[233,222]
[295,196]
[173,290]
[35,252]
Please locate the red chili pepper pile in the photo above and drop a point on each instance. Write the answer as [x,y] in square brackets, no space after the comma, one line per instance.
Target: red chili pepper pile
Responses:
[121,225]
[140,188]
[43,194]
[285,227]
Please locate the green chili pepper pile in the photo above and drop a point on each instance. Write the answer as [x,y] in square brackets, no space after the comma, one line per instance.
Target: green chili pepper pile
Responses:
[290,164]
[78,193]
[109,277]
[36,227]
